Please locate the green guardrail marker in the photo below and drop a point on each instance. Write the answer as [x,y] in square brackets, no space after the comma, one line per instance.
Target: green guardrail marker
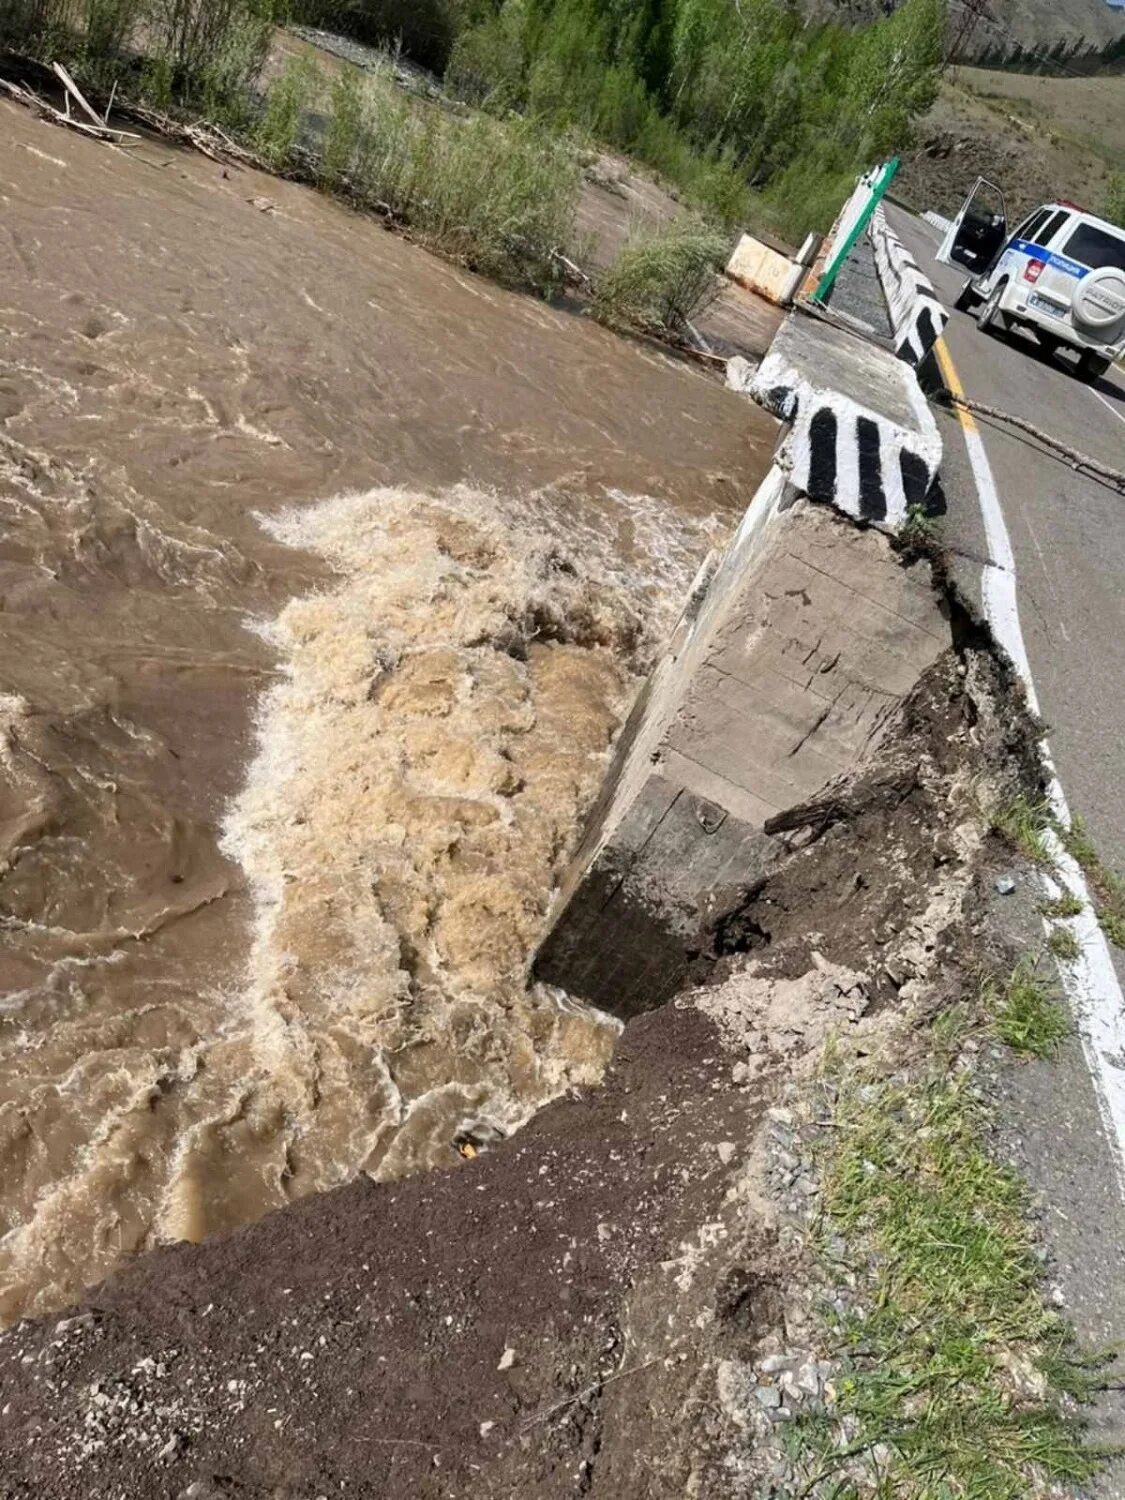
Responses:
[841,252]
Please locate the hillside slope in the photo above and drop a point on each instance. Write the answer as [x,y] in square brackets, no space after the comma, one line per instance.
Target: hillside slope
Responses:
[1032,23]
[1037,138]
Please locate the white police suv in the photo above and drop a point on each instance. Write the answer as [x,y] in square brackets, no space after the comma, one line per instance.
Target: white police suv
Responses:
[1061,274]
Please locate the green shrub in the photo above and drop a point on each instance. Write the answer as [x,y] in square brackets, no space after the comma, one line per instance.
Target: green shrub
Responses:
[488,64]
[212,50]
[805,196]
[345,121]
[500,195]
[109,29]
[660,282]
[287,102]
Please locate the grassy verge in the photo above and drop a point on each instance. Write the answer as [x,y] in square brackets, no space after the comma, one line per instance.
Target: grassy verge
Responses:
[956,1379]
[1106,886]
[1025,823]
[499,195]
[1026,1014]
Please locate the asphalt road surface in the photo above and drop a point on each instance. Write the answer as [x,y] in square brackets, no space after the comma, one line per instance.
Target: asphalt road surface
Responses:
[1068,538]
[1066,533]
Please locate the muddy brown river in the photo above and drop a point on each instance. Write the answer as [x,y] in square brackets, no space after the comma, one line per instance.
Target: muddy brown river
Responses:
[327,572]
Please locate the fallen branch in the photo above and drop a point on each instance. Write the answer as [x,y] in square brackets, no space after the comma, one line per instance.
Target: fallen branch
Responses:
[701,344]
[1076,459]
[76,93]
[47,111]
[205,138]
[574,271]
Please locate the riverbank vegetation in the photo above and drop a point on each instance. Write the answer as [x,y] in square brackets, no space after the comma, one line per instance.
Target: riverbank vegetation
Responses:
[746,108]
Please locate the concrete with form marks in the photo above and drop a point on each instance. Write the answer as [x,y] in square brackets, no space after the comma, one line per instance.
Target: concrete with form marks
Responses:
[811,633]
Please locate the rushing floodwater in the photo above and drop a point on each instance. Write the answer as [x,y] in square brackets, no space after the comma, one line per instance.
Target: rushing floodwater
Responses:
[326,576]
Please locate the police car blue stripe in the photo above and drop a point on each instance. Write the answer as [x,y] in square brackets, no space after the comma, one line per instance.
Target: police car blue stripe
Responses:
[1059,262]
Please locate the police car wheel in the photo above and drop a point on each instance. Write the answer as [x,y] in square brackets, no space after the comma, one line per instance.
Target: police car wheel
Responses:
[1092,366]
[988,318]
[967,298]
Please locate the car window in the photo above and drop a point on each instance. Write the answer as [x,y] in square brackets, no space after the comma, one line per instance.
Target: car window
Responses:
[1096,247]
[1029,230]
[1052,227]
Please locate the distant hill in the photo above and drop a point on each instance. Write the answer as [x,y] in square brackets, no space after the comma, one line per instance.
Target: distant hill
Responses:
[1032,22]
[1037,138]
[1039,26]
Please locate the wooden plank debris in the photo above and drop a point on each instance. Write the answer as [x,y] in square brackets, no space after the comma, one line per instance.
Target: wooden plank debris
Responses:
[47,111]
[76,93]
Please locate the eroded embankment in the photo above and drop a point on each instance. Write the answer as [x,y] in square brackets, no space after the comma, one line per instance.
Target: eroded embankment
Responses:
[285,777]
[570,1313]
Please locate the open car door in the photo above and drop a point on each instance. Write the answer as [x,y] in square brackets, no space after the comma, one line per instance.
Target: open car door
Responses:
[979,232]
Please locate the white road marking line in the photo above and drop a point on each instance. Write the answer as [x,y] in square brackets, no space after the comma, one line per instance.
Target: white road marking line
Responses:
[1090,980]
[1109,405]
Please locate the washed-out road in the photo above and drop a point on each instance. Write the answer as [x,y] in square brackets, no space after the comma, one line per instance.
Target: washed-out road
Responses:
[1066,533]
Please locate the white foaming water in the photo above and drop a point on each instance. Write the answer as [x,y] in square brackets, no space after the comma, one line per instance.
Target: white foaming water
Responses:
[422,768]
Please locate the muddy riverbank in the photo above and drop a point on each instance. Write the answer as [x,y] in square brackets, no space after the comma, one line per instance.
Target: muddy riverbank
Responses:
[288,777]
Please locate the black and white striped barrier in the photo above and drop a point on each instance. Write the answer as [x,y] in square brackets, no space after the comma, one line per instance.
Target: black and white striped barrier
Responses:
[845,454]
[917,316]
[937,221]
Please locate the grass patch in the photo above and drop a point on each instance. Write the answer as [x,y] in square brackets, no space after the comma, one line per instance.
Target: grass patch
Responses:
[956,1371]
[1065,905]
[499,195]
[660,282]
[1027,1015]
[1023,822]
[1063,944]
[1106,885]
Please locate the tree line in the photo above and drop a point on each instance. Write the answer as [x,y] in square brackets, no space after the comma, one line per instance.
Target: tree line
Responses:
[732,100]
[1061,58]
[720,95]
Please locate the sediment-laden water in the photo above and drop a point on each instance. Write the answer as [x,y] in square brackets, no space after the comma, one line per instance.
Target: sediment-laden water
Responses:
[326,576]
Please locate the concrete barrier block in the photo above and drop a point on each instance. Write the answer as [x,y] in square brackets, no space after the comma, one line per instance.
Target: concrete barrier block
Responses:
[764,270]
[861,434]
[783,680]
[918,316]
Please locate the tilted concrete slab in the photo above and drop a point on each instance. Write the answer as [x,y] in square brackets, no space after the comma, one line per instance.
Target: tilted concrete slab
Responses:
[780,678]
[862,436]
